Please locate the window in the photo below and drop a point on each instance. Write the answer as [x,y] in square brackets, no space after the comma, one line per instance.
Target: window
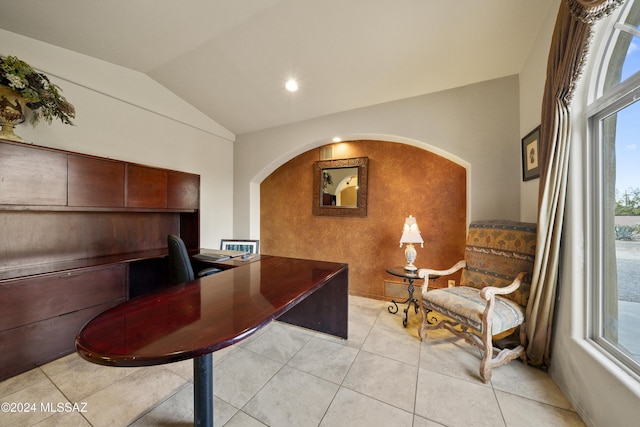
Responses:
[614,196]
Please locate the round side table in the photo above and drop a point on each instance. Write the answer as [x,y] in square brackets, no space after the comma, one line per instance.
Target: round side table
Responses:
[407,276]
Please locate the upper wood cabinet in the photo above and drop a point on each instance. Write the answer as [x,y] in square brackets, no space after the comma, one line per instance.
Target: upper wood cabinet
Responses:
[79,232]
[39,178]
[95,182]
[32,176]
[146,187]
[183,191]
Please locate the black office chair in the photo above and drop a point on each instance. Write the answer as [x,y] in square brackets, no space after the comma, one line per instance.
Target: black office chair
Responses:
[180,270]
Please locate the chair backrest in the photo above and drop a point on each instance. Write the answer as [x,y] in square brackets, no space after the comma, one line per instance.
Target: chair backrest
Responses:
[180,270]
[496,252]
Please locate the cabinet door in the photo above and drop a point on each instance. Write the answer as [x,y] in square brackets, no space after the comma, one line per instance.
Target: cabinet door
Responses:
[32,176]
[95,182]
[146,187]
[30,300]
[184,191]
[26,347]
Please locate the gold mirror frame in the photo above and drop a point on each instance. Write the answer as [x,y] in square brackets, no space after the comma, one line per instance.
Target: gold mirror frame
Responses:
[362,163]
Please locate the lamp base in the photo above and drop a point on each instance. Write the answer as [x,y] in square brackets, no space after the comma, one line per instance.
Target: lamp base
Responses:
[410,254]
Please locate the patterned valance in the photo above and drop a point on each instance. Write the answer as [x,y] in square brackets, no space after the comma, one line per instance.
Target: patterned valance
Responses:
[589,11]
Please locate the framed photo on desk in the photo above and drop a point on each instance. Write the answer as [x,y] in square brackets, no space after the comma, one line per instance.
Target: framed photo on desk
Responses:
[250,246]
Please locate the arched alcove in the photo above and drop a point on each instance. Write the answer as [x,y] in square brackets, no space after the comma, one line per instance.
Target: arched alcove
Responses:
[403,180]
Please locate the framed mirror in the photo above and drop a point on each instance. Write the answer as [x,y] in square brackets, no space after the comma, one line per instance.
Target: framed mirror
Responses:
[340,187]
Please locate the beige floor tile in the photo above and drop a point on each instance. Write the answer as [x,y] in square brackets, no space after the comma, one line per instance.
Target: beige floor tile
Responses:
[252,337]
[324,359]
[31,405]
[237,379]
[522,412]
[240,419]
[279,343]
[390,320]
[223,353]
[423,422]
[184,368]
[366,302]
[394,345]
[527,381]
[178,411]
[394,320]
[71,419]
[365,315]
[292,398]
[353,409]
[78,379]
[382,375]
[447,354]
[125,401]
[384,379]
[357,333]
[455,402]
[21,381]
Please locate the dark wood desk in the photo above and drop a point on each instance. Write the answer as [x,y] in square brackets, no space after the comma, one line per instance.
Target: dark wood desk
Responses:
[195,319]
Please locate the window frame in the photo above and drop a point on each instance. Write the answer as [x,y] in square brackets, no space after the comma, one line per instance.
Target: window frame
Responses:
[619,97]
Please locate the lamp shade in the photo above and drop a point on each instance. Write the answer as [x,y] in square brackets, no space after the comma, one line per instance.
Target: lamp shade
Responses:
[410,232]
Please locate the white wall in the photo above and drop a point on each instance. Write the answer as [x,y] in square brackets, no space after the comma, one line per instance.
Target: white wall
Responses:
[602,392]
[532,79]
[475,125]
[125,115]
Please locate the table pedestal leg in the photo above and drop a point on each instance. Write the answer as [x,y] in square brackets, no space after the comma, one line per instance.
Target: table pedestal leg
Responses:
[203,390]
[411,300]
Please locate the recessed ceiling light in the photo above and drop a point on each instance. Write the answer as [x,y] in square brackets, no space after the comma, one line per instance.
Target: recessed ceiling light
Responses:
[337,139]
[291,85]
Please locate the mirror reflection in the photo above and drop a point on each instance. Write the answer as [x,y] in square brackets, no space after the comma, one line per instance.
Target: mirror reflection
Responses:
[340,187]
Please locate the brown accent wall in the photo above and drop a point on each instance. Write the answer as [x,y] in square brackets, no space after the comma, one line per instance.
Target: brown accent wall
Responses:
[403,180]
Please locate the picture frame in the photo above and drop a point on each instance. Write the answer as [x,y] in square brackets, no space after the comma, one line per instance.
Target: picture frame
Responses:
[530,153]
[250,246]
[348,176]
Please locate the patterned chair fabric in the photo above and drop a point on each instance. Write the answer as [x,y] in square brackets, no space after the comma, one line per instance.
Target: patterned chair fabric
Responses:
[497,254]
[465,305]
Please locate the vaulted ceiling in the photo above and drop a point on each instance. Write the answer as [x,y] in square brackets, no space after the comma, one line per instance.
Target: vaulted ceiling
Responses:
[231,58]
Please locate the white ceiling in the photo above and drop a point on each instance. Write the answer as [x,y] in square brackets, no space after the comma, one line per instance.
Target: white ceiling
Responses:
[231,58]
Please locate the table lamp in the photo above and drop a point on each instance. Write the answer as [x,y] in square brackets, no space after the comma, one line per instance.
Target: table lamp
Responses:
[411,235]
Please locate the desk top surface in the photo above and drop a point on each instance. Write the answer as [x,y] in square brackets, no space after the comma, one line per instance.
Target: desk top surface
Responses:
[202,316]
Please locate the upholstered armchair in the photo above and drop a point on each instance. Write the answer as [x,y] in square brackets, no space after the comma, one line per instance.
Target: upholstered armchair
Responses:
[494,288]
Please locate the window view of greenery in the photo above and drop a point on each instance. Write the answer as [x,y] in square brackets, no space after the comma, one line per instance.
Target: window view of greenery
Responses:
[625,290]
[619,291]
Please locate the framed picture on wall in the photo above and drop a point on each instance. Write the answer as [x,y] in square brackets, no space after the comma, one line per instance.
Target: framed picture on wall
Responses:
[530,149]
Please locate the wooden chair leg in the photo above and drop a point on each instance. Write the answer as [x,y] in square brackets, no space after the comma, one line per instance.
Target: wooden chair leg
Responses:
[485,364]
[422,331]
[523,343]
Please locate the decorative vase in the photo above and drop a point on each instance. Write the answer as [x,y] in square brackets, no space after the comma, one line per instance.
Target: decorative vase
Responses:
[12,107]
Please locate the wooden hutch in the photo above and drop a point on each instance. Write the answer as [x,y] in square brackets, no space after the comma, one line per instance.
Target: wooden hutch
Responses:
[80,234]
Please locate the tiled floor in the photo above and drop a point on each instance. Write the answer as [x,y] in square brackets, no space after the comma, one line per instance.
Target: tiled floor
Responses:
[287,376]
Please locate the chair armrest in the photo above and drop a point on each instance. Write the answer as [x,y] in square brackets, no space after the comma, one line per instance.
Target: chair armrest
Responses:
[424,273]
[489,292]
